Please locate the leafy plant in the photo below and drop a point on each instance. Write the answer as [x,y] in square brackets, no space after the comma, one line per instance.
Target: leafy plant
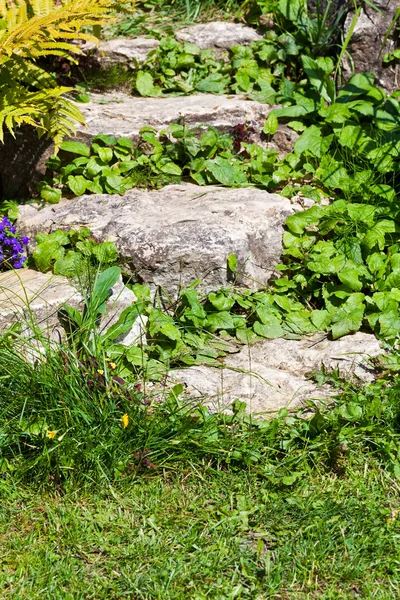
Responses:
[72,253]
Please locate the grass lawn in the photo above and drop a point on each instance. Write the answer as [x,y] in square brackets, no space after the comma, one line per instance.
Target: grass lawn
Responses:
[200,533]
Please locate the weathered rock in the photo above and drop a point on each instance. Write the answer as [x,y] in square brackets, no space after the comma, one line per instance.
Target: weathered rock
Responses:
[122,115]
[22,161]
[180,233]
[273,374]
[34,298]
[367,40]
[218,34]
[125,50]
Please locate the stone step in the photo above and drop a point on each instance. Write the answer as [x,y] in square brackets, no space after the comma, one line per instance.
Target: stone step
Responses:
[218,36]
[272,374]
[119,114]
[181,233]
[34,299]
[22,160]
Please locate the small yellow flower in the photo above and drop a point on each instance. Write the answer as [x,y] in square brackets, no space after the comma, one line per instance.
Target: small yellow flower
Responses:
[51,434]
[100,371]
[113,365]
[125,421]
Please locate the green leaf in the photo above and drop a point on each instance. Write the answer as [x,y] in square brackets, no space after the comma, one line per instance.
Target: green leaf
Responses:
[77,184]
[106,252]
[105,154]
[213,84]
[232,263]
[220,320]
[69,265]
[226,171]
[270,328]
[311,141]
[302,219]
[102,288]
[220,301]
[293,9]
[144,83]
[76,148]
[46,253]
[349,317]
[271,124]
[50,194]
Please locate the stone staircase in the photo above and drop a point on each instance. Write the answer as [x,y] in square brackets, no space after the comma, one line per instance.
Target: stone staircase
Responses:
[182,233]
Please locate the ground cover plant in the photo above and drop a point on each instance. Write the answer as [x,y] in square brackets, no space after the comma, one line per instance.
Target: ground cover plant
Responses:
[266,71]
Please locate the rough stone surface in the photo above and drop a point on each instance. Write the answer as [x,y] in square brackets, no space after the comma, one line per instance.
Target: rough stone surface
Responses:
[22,161]
[367,40]
[125,50]
[272,374]
[27,294]
[180,233]
[122,115]
[218,34]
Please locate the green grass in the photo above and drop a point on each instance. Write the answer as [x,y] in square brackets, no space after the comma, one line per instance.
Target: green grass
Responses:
[200,533]
[160,17]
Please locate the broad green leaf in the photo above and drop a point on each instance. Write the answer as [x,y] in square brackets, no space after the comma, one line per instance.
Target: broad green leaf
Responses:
[220,320]
[76,148]
[77,184]
[144,83]
[302,219]
[271,124]
[270,328]
[311,141]
[293,10]
[50,194]
[226,172]
[105,154]
[46,253]
[220,301]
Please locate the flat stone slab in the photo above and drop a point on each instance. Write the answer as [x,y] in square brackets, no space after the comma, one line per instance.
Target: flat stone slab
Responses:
[31,297]
[218,34]
[22,160]
[271,375]
[122,115]
[181,233]
[125,50]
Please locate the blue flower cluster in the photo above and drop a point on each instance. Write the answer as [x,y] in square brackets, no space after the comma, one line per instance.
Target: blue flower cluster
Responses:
[12,246]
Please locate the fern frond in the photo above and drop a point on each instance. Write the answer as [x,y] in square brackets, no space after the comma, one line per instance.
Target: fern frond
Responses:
[37,28]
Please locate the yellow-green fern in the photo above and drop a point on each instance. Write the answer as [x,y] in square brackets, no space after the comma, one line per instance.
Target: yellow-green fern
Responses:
[30,30]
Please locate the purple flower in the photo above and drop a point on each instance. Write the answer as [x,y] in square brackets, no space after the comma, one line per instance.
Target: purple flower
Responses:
[12,245]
